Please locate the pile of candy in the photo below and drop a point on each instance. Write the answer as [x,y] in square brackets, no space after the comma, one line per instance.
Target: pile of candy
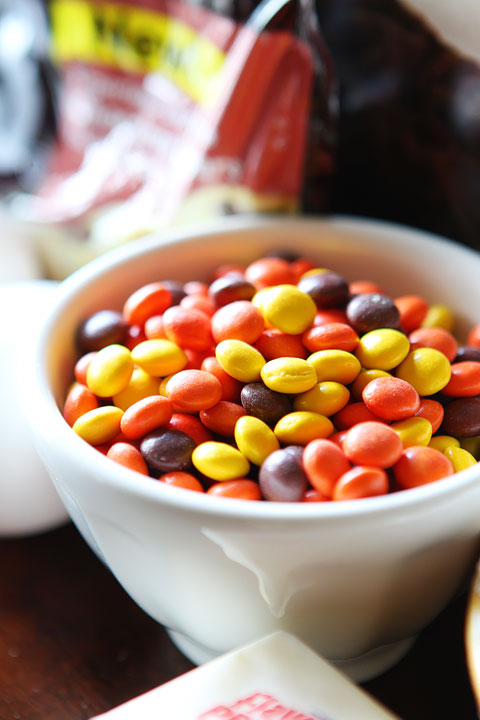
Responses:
[279,381]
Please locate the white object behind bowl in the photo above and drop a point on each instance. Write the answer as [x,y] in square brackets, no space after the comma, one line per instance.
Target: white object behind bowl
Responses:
[28,501]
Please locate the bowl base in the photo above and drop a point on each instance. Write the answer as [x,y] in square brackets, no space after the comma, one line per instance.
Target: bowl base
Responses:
[359,669]
[375,662]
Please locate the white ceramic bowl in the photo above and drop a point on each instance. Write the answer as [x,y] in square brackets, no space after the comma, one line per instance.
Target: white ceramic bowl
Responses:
[357,580]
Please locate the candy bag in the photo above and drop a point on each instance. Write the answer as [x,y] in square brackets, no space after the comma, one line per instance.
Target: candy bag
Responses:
[172,113]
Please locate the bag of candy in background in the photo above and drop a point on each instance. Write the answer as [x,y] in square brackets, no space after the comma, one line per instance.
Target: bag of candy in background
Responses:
[138,146]
[173,112]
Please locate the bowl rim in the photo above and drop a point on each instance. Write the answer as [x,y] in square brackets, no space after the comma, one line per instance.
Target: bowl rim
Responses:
[117,476]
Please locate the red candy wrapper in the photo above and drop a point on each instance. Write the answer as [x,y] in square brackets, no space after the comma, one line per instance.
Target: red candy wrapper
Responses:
[171,113]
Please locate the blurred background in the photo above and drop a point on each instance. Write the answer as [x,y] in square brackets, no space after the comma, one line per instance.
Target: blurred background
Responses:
[121,118]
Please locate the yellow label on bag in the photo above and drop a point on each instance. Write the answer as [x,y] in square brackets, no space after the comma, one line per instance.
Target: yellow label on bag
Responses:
[135,40]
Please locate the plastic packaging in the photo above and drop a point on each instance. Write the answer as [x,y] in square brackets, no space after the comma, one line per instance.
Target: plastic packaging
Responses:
[171,112]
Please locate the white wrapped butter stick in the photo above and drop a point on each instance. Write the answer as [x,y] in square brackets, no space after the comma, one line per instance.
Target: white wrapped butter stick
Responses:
[275,678]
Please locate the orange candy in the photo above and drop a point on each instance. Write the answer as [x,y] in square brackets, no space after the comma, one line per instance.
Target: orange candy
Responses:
[339,336]
[227,269]
[222,417]
[412,309]
[391,398]
[181,479]
[79,400]
[361,482]
[352,414]
[420,465]
[436,338]
[464,380]
[432,411]
[188,327]
[129,456]
[151,299]
[196,358]
[324,462]
[145,415]
[274,343]
[198,301]
[195,287]
[238,320]
[191,425]
[299,267]
[241,489]
[81,367]
[330,316]
[194,390]
[270,271]
[338,437]
[153,327]
[365,287]
[473,337]
[231,388]
[372,443]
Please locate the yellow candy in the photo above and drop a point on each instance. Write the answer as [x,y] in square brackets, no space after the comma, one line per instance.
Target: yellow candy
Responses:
[461,459]
[259,297]
[472,444]
[442,442]
[141,385]
[100,425]
[240,360]
[382,349]
[413,431]
[314,271]
[335,365]
[427,369]
[439,316]
[289,375]
[298,428]
[255,439]
[110,370]
[220,461]
[325,398]
[363,378]
[287,308]
[159,357]
[162,388]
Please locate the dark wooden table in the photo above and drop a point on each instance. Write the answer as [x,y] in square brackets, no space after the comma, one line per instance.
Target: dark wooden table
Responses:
[73,644]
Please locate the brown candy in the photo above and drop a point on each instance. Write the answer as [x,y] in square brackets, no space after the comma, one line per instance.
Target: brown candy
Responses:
[230,288]
[467,352]
[176,290]
[106,327]
[371,311]
[167,450]
[328,289]
[462,418]
[263,403]
[282,477]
